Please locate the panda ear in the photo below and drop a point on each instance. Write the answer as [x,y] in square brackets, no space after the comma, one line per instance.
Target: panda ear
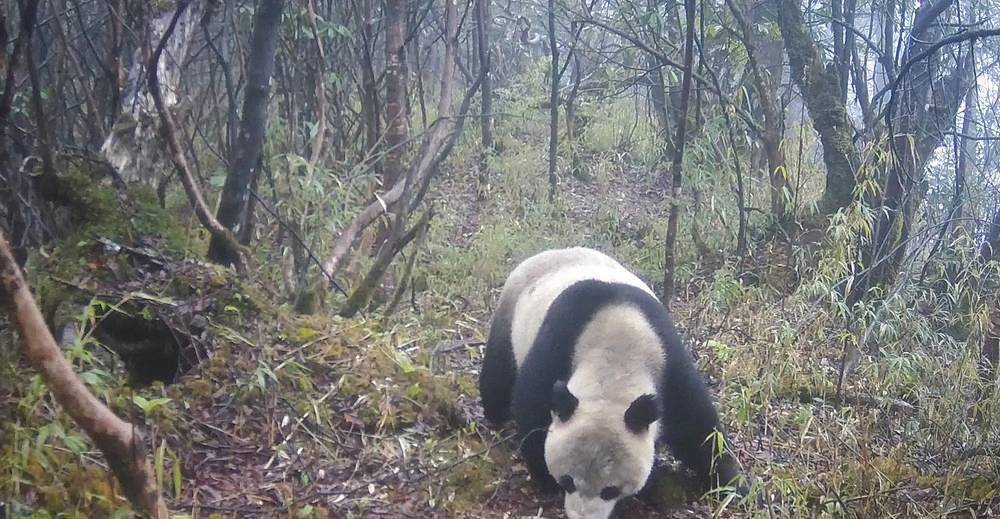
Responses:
[642,412]
[563,402]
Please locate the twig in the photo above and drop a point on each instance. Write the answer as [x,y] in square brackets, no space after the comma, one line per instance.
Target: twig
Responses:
[955,38]
[291,230]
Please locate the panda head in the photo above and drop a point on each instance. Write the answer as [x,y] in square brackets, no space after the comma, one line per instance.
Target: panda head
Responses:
[600,451]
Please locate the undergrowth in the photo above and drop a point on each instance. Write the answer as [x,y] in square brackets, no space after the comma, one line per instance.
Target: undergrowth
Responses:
[292,416]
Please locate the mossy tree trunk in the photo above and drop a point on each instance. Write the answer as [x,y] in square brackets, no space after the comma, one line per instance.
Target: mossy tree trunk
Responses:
[820,88]
[133,146]
[234,211]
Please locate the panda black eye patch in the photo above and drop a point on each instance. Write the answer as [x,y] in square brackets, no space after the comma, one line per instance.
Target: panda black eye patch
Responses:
[567,484]
[609,493]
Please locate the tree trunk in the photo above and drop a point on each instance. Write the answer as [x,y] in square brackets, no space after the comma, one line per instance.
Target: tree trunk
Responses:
[777,175]
[852,66]
[820,89]
[95,125]
[484,22]
[553,99]
[169,131]
[661,112]
[989,357]
[925,108]
[17,193]
[363,293]
[964,147]
[676,167]
[840,57]
[47,183]
[966,151]
[571,126]
[397,127]
[437,144]
[132,146]
[369,90]
[114,62]
[234,204]
[227,138]
[771,135]
[119,441]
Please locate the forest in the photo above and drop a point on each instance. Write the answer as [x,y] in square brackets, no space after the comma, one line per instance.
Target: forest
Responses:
[251,250]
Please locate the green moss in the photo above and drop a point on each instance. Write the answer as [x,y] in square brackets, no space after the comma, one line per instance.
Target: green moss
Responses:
[97,212]
[153,220]
[399,392]
[895,469]
[52,470]
[311,512]
[299,336]
[982,489]
[471,481]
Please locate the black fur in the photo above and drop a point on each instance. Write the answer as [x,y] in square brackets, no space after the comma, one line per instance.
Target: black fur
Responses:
[690,416]
[563,402]
[642,412]
[567,484]
[496,378]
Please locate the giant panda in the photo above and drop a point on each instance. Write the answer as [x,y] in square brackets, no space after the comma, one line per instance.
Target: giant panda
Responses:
[586,359]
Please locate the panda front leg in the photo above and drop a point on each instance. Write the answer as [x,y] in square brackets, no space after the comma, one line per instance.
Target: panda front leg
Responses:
[692,424]
[531,407]
[533,452]
[499,370]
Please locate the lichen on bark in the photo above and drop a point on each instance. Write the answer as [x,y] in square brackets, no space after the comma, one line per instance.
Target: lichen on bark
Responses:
[821,92]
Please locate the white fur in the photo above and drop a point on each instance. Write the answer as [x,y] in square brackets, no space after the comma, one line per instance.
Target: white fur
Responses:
[596,449]
[617,358]
[535,284]
[579,506]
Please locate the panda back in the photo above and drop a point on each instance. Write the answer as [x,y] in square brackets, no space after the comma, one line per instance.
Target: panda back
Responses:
[548,275]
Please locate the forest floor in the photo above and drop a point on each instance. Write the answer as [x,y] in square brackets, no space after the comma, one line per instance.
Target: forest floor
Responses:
[371,419]
[284,415]
[279,415]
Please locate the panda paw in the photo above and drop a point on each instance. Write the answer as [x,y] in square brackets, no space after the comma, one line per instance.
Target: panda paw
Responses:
[495,421]
[547,484]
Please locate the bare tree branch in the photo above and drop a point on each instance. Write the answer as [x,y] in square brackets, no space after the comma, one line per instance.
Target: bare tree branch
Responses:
[119,441]
[205,216]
